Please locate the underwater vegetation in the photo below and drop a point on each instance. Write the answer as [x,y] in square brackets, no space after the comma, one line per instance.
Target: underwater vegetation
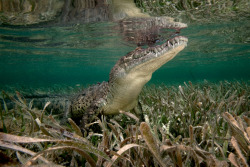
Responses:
[201,124]
[196,10]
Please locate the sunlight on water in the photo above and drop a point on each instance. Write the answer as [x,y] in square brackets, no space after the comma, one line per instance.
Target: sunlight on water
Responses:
[84,54]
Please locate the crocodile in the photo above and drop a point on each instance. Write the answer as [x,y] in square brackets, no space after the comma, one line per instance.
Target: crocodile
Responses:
[126,79]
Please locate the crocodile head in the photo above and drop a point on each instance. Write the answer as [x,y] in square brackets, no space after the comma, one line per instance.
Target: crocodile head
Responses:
[134,70]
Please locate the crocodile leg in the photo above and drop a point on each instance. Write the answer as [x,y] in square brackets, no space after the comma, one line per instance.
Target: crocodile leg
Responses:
[88,116]
[138,111]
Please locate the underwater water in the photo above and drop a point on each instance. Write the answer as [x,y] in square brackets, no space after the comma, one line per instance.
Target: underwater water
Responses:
[83,54]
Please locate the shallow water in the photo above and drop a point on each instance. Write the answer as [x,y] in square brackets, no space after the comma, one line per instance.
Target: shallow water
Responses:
[54,56]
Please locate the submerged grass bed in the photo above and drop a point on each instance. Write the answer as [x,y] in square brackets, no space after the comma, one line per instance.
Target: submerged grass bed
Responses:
[190,125]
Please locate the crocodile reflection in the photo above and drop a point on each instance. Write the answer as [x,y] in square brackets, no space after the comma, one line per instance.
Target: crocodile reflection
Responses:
[135,27]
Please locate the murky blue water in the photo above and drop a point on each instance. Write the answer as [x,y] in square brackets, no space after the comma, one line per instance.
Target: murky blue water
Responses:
[84,54]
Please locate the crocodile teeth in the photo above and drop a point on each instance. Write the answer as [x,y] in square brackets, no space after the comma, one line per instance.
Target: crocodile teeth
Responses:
[176,40]
[127,59]
[136,56]
[171,43]
[158,48]
[143,53]
[155,50]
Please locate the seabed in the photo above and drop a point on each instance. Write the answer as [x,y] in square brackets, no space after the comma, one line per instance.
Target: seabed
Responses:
[203,124]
